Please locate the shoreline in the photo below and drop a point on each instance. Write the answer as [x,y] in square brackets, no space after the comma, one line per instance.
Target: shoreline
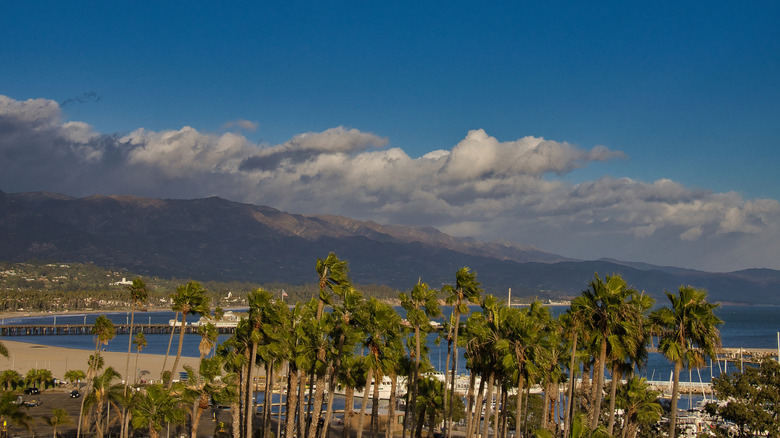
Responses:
[23,356]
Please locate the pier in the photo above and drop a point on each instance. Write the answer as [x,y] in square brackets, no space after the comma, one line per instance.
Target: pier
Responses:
[86,329]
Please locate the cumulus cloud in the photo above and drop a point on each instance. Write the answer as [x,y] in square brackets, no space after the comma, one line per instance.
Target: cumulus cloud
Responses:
[482,187]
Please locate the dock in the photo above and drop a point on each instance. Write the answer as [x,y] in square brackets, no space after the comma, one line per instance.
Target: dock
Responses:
[86,329]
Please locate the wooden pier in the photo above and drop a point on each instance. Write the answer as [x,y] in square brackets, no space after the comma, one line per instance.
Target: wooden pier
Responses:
[86,329]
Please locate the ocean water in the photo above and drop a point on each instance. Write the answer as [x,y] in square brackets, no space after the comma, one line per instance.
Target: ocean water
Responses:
[744,326]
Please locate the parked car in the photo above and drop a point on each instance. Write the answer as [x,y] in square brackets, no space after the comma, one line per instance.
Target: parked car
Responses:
[75,394]
[32,403]
[31,391]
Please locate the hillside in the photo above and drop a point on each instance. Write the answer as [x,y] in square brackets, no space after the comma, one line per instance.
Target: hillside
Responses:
[219,240]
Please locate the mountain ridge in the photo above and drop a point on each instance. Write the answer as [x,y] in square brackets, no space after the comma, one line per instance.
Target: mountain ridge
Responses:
[217,239]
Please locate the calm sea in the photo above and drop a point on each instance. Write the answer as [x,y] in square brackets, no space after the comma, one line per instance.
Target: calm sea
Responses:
[744,326]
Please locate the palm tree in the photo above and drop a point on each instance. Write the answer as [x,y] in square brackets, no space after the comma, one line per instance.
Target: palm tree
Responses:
[430,403]
[605,304]
[420,305]
[74,376]
[189,299]
[688,333]
[333,277]
[640,405]
[518,346]
[628,348]
[155,406]
[59,417]
[201,386]
[138,296]
[466,289]
[234,362]
[140,344]
[101,385]
[103,331]
[345,335]
[11,377]
[259,302]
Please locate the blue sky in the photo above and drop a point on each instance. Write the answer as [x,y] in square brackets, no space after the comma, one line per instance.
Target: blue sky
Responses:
[674,104]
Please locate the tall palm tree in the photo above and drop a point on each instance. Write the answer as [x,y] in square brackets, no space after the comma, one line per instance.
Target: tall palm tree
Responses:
[518,346]
[103,331]
[628,347]
[140,343]
[202,384]
[421,305]
[688,333]
[332,277]
[605,304]
[259,302]
[98,395]
[138,296]
[466,289]
[345,336]
[190,298]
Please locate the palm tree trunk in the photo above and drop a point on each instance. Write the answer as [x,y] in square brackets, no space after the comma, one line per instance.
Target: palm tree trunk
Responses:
[319,395]
[598,386]
[519,401]
[470,401]
[178,351]
[302,420]
[447,372]
[455,330]
[497,413]
[235,419]
[197,412]
[411,385]
[391,407]
[612,392]
[90,376]
[292,400]
[249,406]
[238,426]
[170,341]
[474,423]
[332,386]
[365,403]
[268,399]
[488,405]
[349,401]
[420,422]
[568,415]
[375,406]
[675,394]
[127,362]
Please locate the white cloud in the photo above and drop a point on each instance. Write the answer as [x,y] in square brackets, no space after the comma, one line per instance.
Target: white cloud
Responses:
[482,187]
[242,124]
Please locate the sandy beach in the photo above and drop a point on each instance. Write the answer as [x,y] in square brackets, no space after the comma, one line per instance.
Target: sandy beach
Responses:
[25,356]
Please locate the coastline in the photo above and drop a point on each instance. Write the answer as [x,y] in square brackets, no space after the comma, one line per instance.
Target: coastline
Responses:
[23,356]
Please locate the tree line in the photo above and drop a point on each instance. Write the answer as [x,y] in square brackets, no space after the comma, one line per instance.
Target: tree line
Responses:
[341,340]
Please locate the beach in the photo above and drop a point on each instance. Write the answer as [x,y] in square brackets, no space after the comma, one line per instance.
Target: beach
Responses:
[23,356]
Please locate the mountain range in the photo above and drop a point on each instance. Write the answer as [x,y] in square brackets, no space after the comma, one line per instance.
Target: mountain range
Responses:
[221,240]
